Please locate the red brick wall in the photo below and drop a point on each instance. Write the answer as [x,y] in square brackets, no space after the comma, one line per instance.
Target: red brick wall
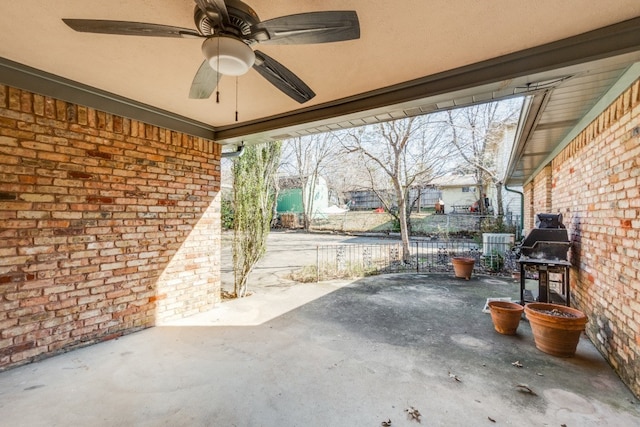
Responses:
[542,191]
[537,197]
[596,186]
[107,225]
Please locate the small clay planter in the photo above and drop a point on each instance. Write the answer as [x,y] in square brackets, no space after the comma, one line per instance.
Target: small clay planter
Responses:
[463,267]
[506,316]
[556,328]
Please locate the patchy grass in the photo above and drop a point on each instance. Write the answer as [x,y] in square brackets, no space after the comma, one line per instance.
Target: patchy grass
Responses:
[309,273]
[424,223]
[355,221]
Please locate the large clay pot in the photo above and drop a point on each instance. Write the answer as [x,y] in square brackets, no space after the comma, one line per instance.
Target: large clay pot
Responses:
[463,266]
[506,316]
[556,328]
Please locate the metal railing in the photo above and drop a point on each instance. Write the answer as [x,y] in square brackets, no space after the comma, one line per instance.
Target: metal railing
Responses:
[357,260]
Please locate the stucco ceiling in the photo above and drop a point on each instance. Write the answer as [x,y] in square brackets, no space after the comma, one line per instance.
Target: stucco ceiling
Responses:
[413,54]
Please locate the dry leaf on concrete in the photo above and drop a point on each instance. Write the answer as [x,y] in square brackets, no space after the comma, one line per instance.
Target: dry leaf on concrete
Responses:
[455,377]
[413,413]
[526,389]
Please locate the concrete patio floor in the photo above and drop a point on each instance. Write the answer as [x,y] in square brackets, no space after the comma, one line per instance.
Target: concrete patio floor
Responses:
[328,354]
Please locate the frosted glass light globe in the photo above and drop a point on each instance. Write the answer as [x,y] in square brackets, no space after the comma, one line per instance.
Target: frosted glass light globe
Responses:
[233,58]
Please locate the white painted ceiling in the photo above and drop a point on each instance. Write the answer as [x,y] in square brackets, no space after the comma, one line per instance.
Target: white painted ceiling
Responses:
[402,43]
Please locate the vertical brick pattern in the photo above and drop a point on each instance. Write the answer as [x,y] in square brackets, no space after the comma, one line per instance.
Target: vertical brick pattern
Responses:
[537,197]
[542,185]
[596,185]
[107,225]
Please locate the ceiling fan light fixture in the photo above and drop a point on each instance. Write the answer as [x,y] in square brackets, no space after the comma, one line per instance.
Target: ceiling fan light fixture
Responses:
[228,56]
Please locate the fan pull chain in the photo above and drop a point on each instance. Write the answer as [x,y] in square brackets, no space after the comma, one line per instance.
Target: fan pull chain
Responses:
[236,98]
[218,76]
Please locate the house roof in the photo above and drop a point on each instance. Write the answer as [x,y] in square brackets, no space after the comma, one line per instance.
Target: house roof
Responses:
[412,57]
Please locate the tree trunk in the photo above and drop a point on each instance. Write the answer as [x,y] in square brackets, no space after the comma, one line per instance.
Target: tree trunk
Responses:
[311,193]
[274,210]
[480,194]
[402,218]
[499,206]
[305,208]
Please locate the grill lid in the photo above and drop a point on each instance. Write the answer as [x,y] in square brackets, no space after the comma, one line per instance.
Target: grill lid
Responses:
[548,241]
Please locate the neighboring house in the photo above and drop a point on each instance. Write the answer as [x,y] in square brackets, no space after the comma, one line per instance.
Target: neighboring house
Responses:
[512,205]
[511,200]
[459,192]
[290,196]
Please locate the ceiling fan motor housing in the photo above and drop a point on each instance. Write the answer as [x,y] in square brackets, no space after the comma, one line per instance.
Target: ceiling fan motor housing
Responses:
[241,16]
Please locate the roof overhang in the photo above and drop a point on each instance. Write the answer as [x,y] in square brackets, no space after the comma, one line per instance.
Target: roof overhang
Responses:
[410,60]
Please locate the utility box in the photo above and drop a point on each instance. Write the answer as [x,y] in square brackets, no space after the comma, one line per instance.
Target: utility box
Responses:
[500,242]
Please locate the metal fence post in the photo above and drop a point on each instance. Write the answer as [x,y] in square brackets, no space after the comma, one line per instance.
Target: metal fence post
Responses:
[417,259]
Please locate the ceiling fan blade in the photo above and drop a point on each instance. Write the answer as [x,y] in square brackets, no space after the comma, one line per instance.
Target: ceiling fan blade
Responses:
[204,82]
[307,28]
[282,78]
[129,28]
[216,11]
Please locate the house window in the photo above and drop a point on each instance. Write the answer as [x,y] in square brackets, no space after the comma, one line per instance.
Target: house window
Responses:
[468,189]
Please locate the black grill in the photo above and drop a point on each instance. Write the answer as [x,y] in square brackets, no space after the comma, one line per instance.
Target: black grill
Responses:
[548,241]
[544,250]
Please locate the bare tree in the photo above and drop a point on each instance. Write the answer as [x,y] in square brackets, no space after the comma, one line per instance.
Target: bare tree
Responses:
[345,173]
[476,132]
[402,153]
[306,158]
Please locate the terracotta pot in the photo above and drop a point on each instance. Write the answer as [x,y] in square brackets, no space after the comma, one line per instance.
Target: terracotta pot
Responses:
[463,266]
[555,334]
[506,316]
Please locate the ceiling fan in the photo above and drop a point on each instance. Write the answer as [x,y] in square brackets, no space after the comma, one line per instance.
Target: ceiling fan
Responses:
[230,29]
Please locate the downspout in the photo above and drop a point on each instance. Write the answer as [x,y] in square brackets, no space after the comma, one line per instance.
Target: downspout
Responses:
[521,207]
[234,154]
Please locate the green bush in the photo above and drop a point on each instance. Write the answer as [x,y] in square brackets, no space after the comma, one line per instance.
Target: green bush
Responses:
[495,262]
[226,214]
